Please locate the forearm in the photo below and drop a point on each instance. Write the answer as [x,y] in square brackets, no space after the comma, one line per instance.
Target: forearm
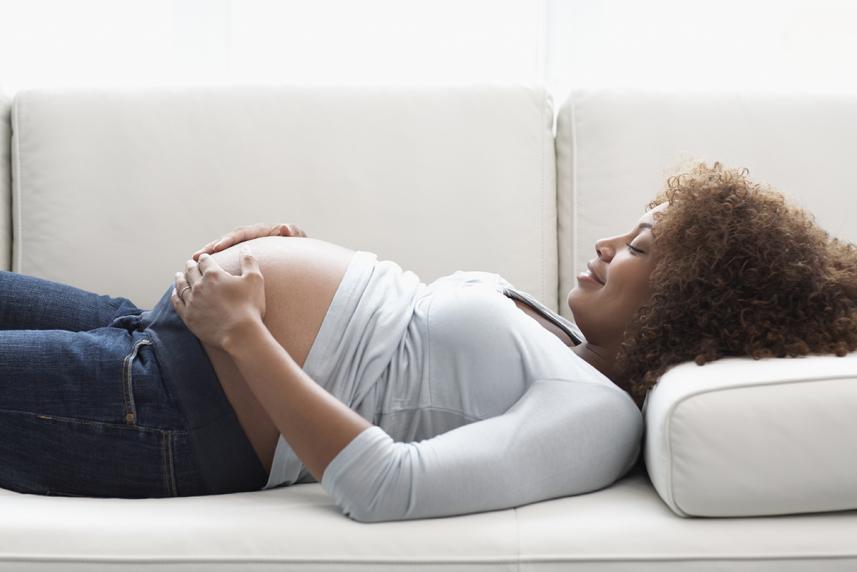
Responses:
[316,424]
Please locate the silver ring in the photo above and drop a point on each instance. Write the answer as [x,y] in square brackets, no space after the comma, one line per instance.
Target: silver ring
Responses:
[181,294]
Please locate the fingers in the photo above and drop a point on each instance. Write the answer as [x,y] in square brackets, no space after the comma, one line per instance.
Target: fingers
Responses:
[178,304]
[192,272]
[207,263]
[181,284]
[209,248]
[238,235]
[244,233]
[196,254]
[286,229]
[249,264]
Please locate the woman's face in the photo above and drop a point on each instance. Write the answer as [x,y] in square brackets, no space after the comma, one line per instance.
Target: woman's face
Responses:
[616,284]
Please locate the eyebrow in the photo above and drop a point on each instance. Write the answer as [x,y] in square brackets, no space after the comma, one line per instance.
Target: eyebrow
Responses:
[644,225]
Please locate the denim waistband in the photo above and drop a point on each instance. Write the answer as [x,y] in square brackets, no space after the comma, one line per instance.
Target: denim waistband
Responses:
[227,461]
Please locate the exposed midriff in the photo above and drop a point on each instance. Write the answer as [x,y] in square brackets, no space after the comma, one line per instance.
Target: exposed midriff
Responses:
[301,277]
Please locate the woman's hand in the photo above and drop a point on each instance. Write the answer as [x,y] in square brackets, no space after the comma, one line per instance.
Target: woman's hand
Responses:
[217,306]
[249,232]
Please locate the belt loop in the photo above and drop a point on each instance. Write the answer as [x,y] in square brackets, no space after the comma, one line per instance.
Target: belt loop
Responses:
[130,322]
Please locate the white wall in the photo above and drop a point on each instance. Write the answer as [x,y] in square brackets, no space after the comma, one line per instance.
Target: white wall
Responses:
[698,44]
[711,45]
[45,43]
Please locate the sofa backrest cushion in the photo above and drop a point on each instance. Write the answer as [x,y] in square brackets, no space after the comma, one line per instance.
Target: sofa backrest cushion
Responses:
[615,149]
[5,183]
[114,189]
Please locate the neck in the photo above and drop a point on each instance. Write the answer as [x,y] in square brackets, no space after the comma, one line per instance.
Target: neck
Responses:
[601,358]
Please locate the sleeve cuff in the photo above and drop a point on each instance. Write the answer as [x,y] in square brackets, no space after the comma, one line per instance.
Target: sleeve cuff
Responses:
[356,450]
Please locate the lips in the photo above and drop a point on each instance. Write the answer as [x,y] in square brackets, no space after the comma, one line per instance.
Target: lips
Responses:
[594,274]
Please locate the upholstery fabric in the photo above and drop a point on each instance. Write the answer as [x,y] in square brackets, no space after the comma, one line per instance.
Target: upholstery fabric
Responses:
[615,149]
[5,183]
[116,188]
[625,527]
[736,437]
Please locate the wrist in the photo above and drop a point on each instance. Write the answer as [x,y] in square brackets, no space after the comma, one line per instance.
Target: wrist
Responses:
[244,335]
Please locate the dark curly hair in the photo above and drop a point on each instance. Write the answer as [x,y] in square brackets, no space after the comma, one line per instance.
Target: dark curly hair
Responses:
[738,271]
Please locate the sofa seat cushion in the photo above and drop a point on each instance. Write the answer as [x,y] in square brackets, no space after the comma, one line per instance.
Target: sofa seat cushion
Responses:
[744,437]
[623,527]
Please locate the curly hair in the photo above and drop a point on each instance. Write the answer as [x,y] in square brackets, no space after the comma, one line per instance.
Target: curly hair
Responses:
[738,271]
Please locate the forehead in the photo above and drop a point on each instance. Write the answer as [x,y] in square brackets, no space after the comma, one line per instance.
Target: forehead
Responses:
[649,215]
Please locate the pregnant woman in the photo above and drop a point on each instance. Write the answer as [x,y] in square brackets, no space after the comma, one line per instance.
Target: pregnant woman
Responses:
[286,360]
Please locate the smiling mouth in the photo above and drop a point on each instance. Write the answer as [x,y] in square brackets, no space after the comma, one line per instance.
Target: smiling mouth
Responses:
[594,275]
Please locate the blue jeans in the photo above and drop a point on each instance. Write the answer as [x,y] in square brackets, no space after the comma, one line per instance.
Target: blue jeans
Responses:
[100,398]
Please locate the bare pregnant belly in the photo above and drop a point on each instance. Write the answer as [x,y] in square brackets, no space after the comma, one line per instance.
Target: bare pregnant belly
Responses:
[301,277]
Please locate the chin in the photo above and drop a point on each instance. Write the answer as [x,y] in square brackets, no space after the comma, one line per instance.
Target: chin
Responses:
[577,312]
[570,299]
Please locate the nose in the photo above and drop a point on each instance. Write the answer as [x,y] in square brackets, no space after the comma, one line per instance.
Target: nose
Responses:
[604,250]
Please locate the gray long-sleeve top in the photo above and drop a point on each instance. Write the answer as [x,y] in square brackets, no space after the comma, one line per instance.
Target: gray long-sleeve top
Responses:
[479,407]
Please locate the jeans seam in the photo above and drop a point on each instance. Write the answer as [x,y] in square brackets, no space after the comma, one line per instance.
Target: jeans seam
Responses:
[123,426]
[173,467]
[169,470]
[128,391]
[164,476]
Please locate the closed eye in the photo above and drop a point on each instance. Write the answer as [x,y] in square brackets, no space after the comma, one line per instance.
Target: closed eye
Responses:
[634,248]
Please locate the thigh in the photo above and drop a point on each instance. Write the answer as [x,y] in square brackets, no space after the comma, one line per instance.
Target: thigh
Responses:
[86,414]
[31,303]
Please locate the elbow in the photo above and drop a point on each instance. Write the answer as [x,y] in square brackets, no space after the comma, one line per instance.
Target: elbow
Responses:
[364,512]
[365,516]
[380,504]
[373,481]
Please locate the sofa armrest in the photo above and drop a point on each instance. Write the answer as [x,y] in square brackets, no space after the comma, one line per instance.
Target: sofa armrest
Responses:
[738,437]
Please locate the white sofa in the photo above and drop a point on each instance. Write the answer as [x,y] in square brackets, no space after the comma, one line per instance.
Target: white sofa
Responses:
[747,465]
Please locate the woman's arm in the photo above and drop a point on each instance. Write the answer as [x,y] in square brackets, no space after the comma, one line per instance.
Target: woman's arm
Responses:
[316,424]
[560,438]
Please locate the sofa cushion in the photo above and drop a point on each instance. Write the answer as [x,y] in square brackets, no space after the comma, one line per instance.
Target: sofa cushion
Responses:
[744,437]
[114,189]
[5,183]
[616,147]
[624,527]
